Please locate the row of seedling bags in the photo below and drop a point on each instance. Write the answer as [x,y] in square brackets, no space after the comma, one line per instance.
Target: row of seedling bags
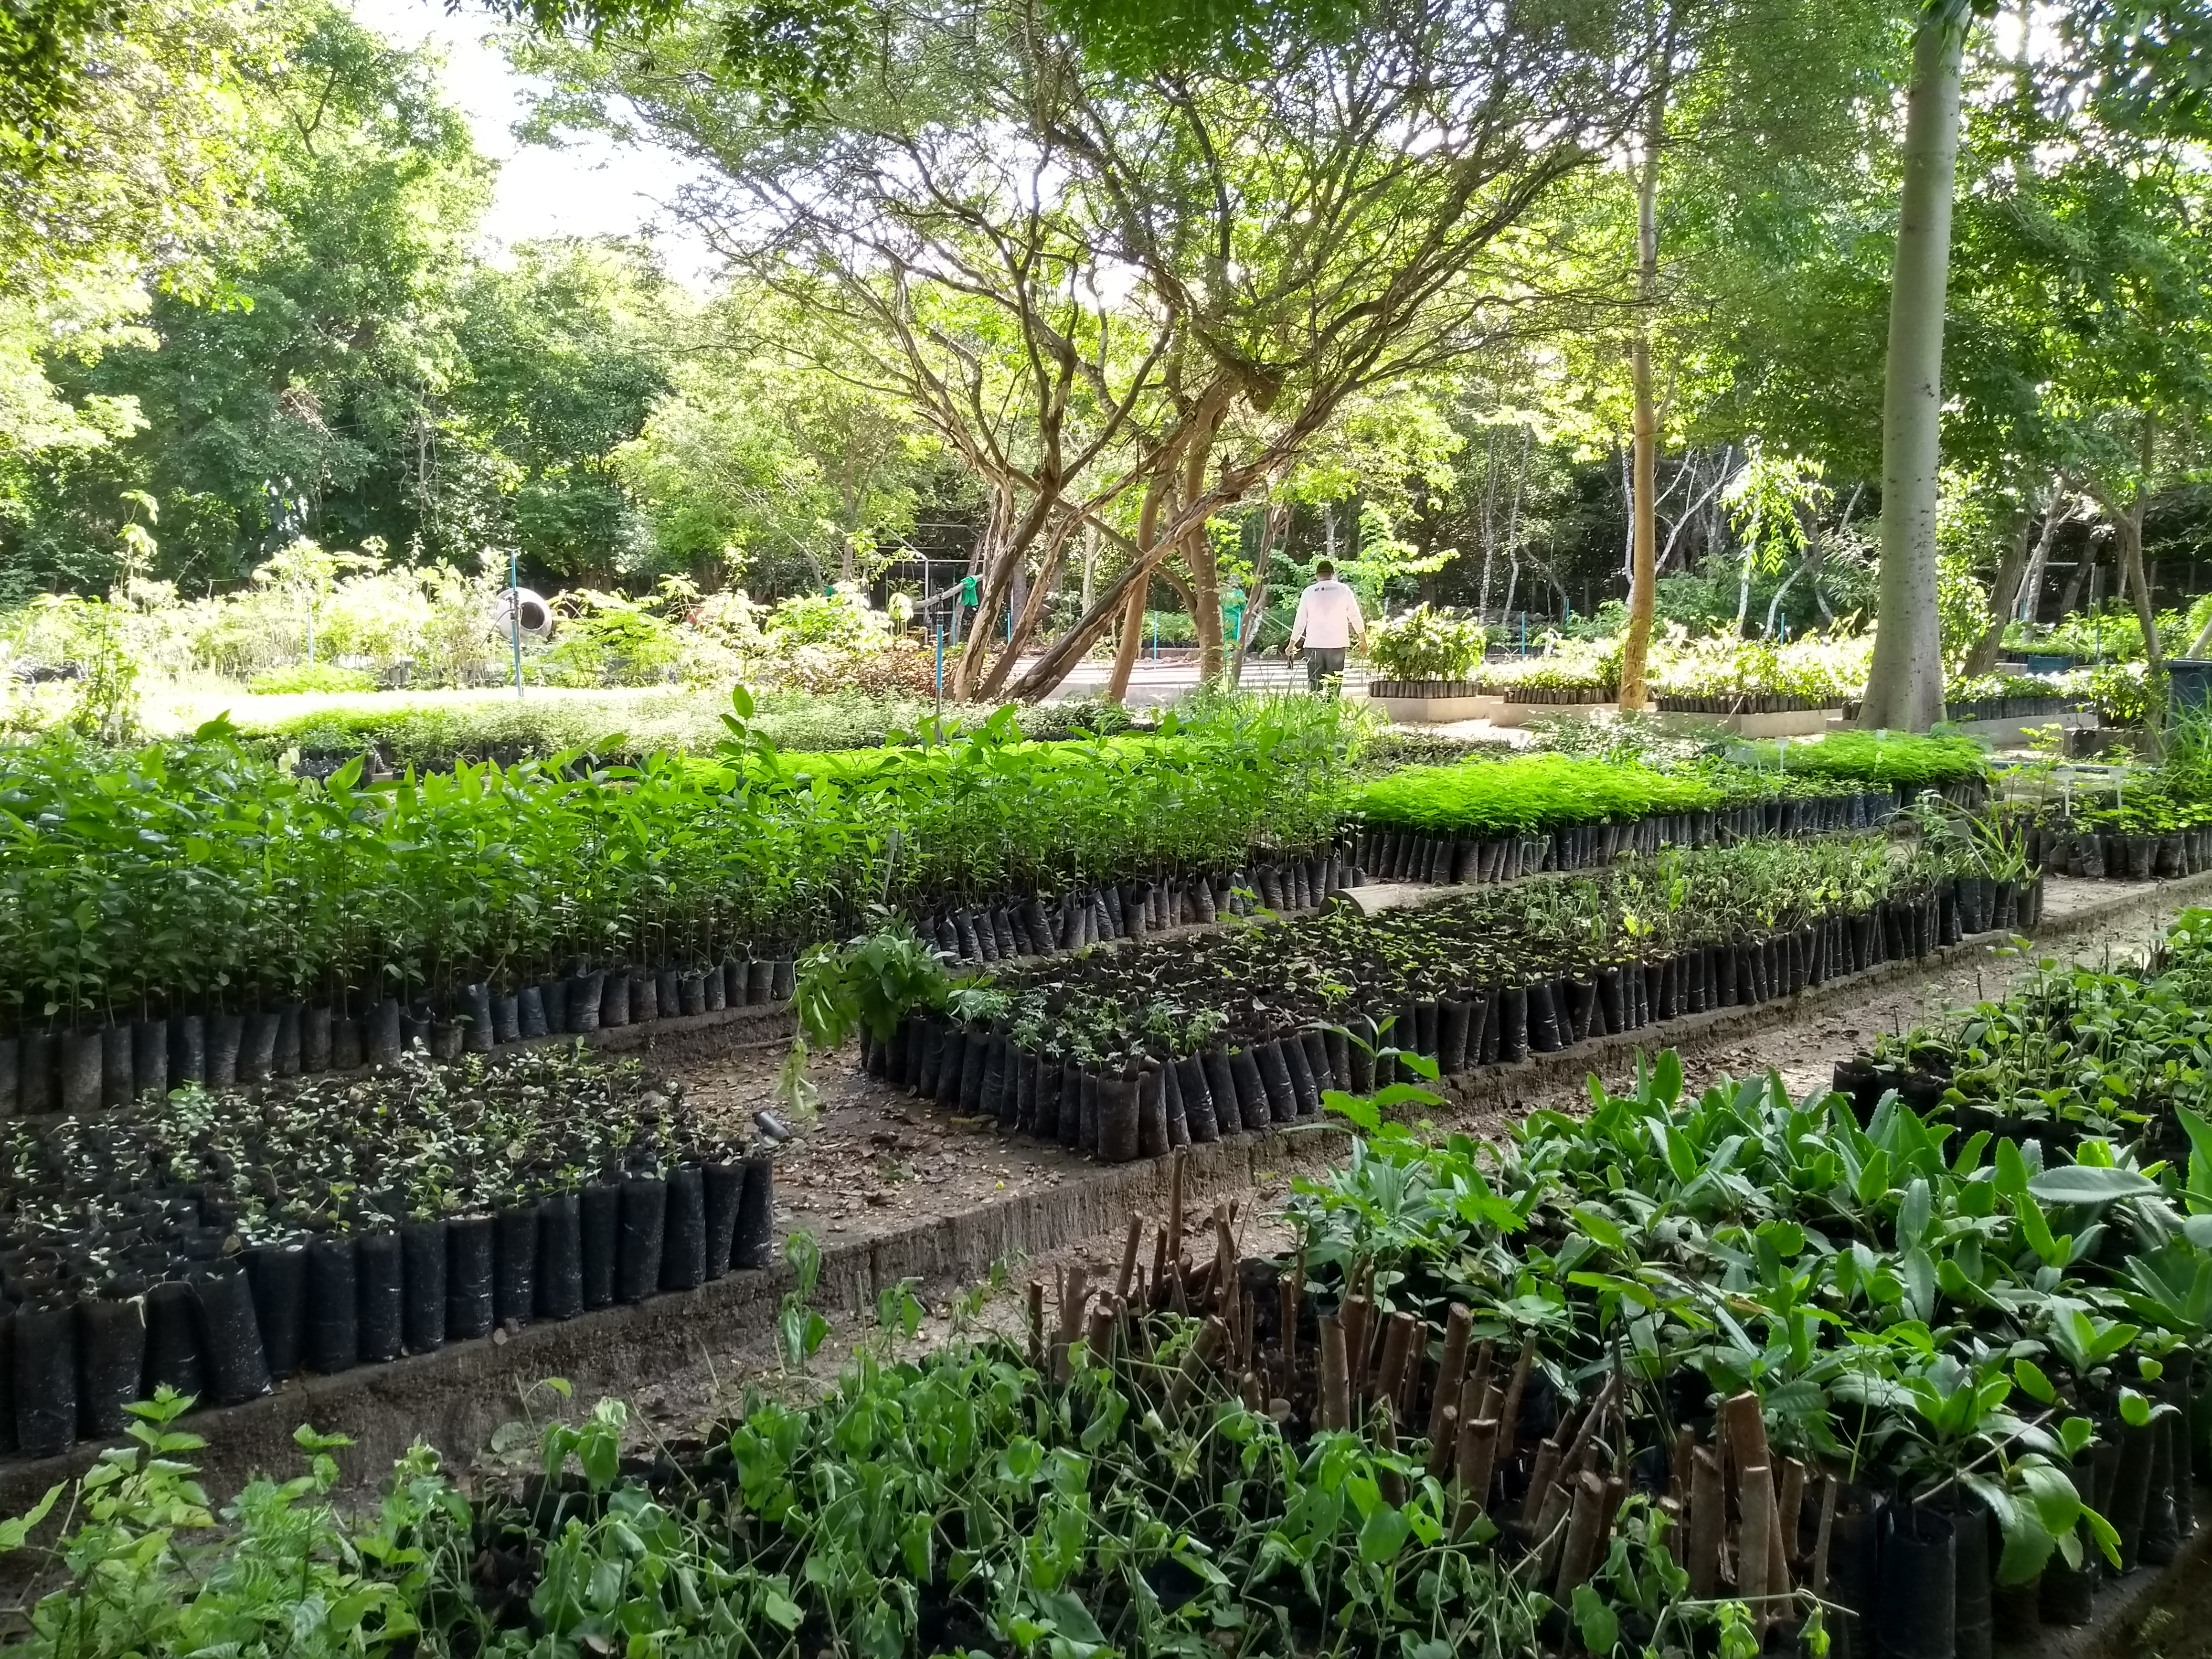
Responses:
[1385,854]
[1169,1100]
[2100,854]
[80,1072]
[226,1328]
[1014,928]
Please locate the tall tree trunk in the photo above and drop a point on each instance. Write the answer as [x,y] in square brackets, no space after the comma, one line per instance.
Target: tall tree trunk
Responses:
[1132,639]
[2004,593]
[1489,518]
[2028,605]
[2131,572]
[1272,527]
[2078,583]
[1643,505]
[1030,611]
[1904,686]
[1198,558]
[1157,497]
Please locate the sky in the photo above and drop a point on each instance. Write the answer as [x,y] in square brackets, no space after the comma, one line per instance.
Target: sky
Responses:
[590,187]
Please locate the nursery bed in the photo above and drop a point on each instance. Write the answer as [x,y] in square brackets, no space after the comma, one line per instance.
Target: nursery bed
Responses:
[972,1199]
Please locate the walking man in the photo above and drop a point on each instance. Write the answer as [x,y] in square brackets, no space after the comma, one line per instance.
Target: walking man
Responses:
[1328,619]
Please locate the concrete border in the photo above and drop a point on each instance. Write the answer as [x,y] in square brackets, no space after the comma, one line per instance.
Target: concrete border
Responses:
[456,1397]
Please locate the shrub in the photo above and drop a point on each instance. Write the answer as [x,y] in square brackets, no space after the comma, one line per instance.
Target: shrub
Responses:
[316,677]
[1425,645]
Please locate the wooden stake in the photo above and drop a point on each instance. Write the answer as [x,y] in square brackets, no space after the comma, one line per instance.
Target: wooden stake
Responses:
[1578,1448]
[1353,1317]
[1444,1444]
[1336,1381]
[1197,1360]
[1678,1534]
[1542,1476]
[1103,1321]
[1397,1352]
[1161,1257]
[1175,1204]
[1708,1523]
[1745,1431]
[1828,1485]
[1225,1258]
[1789,1504]
[1286,1321]
[1584,1523]
[1678,1466]
[1477,1451]
[1129,1255]
[1509,1414]
[1754,1537]
[1389,1481]
[1480,1370]
[1036,1325]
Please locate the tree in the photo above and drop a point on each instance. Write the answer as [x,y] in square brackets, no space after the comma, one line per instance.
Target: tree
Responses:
[296,394]
[1905,687]
[557,363]
[1134,298]
[763,467]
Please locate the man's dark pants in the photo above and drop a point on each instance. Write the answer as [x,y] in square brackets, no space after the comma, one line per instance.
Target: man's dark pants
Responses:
[1324,665]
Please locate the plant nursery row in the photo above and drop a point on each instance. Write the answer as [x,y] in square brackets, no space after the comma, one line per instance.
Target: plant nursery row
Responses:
[1691,1373]
[1133,1052]
[110,1066]
[141,892]
[190,877]
[217,1243]
[1475,821]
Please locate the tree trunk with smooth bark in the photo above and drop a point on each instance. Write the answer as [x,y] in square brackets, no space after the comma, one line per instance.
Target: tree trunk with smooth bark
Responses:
[1905,687]
[1643,519]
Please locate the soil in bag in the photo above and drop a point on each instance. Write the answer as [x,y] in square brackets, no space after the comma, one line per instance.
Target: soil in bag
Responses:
[644,1220]
[683,1233]
[172,1339]
[379,1276]
[560,1257]
[1916,1588]
[515,1265]
[111,1347]
[230,1335]
[725,1188]
[46,1375]
[753,1246]
[1275,1080]
[422,1267]
[600,1205]
[1117,1119]
[278,1273]
[1197,1100]
[333,1306]
[1249,1088]
[470,1250]
[1068,1124]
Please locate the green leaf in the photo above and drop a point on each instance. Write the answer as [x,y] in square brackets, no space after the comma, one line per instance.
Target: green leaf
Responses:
[1598,1624]
[2086,1184]
[1384,1535]
[1070,1617]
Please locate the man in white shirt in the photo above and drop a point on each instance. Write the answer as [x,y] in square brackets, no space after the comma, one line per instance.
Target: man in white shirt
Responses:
[1328,619]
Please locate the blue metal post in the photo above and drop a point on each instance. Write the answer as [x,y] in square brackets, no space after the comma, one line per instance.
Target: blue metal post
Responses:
[514,616]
